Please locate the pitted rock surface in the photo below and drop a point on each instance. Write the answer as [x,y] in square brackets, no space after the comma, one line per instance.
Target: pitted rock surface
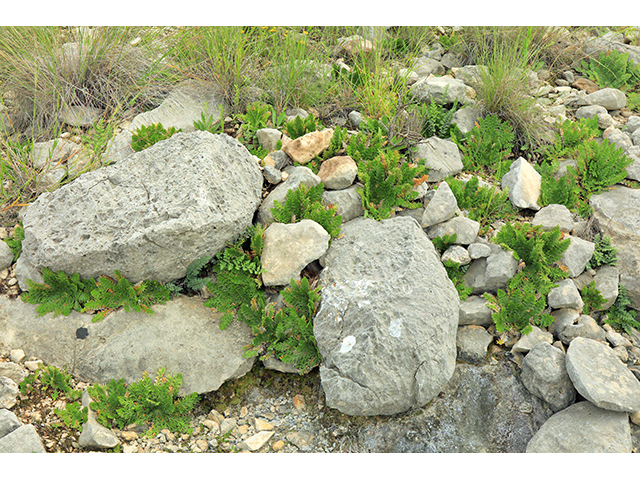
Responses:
[387,323]
[150,215]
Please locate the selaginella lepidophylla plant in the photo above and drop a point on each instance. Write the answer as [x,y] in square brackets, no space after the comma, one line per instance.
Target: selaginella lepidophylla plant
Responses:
[61,293]
[595,166]
[156,403]
[524,300]
[286,332]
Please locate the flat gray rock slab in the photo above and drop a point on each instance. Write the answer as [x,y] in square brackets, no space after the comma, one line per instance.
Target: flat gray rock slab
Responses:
[583,428]
[182,335]
[599,376]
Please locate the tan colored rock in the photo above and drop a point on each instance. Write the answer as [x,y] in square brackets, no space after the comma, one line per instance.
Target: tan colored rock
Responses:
[263,425]
[305,148]
[355,44]
[586,85]
[257,441]
[338,173]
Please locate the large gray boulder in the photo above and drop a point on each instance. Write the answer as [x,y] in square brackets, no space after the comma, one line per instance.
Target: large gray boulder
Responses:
[583,428]
[150,215]
[617,213]
[387,323]
[182,335]
[24,439]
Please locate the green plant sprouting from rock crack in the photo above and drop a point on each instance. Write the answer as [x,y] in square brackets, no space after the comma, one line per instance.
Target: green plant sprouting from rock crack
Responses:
[148,135]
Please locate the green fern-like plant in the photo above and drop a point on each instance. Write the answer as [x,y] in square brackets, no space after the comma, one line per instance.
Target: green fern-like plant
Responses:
[207,124]
[337,143]
[59,293]
[604,253]
[147,135]
[287,334]
[561,191]
[306,203]
[237,276]
[483,204]
[15,241]
[444,242]
[388,184]
[569,135]
[456,272]
[620,315]
[518,308]
[599,166]
[592,298]
[611,69]
[524,300]
[193,280]
[540,251]
[487,145]
[155,402]
[363,147]
[110,294]
[436,119]
[301,126]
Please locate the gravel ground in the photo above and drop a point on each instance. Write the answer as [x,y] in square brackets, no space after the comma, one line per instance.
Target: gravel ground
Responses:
[264,411]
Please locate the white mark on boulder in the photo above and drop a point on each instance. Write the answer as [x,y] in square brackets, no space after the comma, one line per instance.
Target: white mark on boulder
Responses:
[347,344]
[395,328]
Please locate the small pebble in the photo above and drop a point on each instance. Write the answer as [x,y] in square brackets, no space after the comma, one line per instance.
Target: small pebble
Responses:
[17,355]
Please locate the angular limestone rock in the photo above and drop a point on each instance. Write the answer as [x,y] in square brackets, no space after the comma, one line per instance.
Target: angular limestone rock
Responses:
[583,428]
[288,248]
[600,377]
[388,319]
[150,215]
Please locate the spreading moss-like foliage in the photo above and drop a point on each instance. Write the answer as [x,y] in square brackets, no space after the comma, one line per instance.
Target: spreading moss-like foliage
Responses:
[147,135]
[15,241]
[484,204]
[592,298]
[237,277]
[306,203]
[523,302]
[388,184]
[144,402]
[620,315]
[61,294]
[487,145]
[604,253]
[287,333]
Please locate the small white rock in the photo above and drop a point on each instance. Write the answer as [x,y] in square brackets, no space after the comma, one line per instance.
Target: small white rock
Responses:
[17,355]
